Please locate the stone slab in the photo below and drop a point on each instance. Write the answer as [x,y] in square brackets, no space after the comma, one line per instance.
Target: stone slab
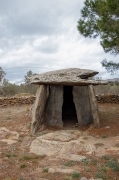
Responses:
[82,104]
[94,107]
[53,110]
[71,76]
[38,108]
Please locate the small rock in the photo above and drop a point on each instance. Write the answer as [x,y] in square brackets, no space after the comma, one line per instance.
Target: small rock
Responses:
[68,171]
[4,132]
[60,170]
[71,157]
[83,178]
[9,141]
[96,179]
[51,170]
[107,127]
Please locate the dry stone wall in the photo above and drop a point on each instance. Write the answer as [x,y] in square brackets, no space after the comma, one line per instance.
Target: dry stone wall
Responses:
[16,100]
[29,99]
[108,98]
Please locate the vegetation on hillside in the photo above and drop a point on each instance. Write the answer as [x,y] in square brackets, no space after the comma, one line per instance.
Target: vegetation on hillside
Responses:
[10,89]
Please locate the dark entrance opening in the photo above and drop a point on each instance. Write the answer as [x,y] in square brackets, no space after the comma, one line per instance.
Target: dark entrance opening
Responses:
[69,116]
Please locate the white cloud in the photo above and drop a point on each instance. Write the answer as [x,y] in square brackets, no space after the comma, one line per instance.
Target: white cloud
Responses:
[42,36]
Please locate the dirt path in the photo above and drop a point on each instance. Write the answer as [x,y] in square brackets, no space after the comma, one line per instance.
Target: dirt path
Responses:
[58,154]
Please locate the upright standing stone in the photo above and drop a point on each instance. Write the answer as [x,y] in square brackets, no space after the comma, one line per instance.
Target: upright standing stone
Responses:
[94,107]
[38,108]
[53,111]
[82,104]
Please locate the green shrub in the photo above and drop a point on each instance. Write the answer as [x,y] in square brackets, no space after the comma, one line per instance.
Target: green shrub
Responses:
[113,164]
[45,170]
[22,165]
[85,161]
[100,175]
[76,175]
[70,163]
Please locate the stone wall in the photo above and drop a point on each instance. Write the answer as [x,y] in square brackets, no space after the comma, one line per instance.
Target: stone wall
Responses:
[108,98]
[29,99]
[16,100]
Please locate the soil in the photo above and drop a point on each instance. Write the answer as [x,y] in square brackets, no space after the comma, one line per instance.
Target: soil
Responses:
[17,163]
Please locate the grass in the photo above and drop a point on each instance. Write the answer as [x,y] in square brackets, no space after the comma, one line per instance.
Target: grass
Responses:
[113,164]
[8,118]
[102,169]
[85,161]
[45,170]
[70,163]
[68,178]
[100,175]
[10,155]
[106,157]
[76,175]
[88,170]
[94,161]
[22,165]
[104,136]
[117,145]
[30,157]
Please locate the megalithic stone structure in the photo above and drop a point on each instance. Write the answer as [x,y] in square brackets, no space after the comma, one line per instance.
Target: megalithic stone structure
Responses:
[65,96]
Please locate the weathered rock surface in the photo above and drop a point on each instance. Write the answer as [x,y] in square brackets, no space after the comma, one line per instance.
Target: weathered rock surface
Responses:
[62,145]
[71,76]
[10,137]
[94,107]
[60,170]
[83,178]
[71,157]
[45,147]
[38,171]
[63,136]
[53,110]
[6,133]
[52,144]
[38,107]
[82,104]
[9,141]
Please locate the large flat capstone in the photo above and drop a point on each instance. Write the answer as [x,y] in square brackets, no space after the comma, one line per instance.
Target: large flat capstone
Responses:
[71,76]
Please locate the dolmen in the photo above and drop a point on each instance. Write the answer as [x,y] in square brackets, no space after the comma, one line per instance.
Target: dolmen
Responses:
[65,97]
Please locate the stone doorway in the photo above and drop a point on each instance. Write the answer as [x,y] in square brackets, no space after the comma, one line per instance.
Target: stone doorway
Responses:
[69,116]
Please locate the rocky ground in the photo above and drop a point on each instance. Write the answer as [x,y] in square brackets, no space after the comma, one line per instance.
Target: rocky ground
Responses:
[67,154]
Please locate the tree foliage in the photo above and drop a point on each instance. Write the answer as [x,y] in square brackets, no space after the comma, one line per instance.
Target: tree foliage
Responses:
[10,89]
[110,66]
[27,77]
[101,18]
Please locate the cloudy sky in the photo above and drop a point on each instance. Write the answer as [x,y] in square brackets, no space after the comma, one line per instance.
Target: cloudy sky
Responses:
[41,35]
